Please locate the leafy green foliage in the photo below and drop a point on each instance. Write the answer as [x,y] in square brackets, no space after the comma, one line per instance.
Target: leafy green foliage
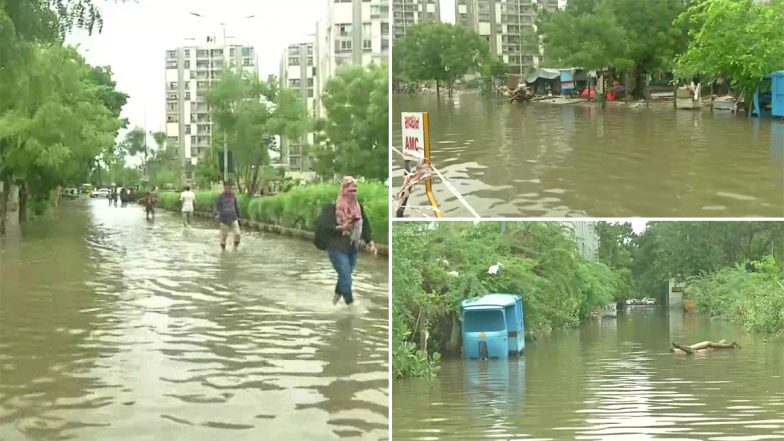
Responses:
[250,112]
[299,207]
[751,294]
[58,123]
[441,52]
[354,138]
[539,261]
[737,39]
[623,35]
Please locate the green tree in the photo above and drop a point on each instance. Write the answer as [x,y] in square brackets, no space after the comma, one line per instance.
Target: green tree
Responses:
[736,39]
[354,138]
[54,132]
[439,52]
[164,165]
[627,36]
[251,113]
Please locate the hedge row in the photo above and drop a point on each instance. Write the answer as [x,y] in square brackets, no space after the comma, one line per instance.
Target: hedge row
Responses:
[298,208]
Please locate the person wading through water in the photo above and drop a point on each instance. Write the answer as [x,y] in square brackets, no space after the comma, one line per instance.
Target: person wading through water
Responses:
[227,212]
[188,199]
[149,204]
[340,229]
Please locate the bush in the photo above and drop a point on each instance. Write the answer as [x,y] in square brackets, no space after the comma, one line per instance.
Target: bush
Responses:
[298,208]
[751,294]
[539,261]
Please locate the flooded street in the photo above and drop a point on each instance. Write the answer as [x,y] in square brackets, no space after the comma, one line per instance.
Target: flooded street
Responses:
[541,159]
[114,328]
[612,379]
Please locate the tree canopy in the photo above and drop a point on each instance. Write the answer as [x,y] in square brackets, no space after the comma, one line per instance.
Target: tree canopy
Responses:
[741,40]
[251,113]
[354,137]
[440,52]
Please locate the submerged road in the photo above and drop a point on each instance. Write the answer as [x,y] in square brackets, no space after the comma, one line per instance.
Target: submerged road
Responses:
[112,327]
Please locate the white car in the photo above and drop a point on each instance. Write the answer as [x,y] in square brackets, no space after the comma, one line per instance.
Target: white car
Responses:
[100,193]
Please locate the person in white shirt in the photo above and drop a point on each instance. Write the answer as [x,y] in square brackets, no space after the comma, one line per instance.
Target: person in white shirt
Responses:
[188,199]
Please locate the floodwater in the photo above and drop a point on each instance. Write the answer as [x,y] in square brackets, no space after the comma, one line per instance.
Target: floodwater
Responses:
[114,328]
[608,380]
[538,159]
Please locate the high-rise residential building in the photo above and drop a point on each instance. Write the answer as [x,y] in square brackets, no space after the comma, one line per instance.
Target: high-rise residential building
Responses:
[509,26]
[352,32]
[190,72]
[298,71]
[586,237]
[407,13]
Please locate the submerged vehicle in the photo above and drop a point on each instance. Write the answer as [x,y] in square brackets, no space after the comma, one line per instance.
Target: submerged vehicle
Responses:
[493,327]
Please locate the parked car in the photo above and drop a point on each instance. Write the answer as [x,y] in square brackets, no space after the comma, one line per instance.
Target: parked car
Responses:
[100,193]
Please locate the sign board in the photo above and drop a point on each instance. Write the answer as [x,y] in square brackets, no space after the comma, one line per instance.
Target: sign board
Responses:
[415,133]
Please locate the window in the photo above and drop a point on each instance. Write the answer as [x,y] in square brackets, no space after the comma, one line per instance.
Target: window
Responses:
[310,82]
[293,61]
[483,321]
[187,53]
[174,139]
[172,106]
[172,85]
[201,53]
[231,52]
[246,62]
[344,30]
[187,64]
[367,45]
[246,52]
[193,140]
[310,93]
[173,96]
[310,61]
[172,118]
[344,45]
[171,54]
[294,82]
[171,65]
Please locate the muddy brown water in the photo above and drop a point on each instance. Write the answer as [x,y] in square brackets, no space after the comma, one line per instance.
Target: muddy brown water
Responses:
[115,328]
[608,380]
[539,159]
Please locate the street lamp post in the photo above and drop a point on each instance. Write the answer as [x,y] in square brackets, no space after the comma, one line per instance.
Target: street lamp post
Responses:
[225,143]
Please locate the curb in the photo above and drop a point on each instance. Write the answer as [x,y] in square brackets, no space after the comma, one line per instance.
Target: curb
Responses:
[383,250]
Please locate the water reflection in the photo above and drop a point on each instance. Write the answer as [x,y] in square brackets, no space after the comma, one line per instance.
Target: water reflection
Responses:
[609,379]
[578,160]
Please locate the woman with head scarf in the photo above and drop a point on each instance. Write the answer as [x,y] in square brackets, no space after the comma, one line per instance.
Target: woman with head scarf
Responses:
[343,226]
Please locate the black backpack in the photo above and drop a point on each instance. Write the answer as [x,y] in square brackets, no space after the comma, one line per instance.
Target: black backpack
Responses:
[321,236]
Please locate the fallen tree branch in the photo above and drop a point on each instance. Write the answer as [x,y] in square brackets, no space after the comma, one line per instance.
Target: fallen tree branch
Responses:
[703,345]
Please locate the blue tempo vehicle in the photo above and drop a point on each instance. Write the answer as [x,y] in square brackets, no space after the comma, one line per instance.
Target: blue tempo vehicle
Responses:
[493,326]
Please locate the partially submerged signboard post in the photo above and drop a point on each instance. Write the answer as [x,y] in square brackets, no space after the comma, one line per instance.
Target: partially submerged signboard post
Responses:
[416,151]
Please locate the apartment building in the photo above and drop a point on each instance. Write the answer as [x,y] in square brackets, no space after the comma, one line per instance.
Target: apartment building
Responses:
[298,71]
[190,72]
[352,32]
[586,237]
[509,26]
[407,13]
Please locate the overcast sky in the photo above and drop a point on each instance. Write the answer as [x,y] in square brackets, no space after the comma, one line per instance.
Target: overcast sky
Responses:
[136,35]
